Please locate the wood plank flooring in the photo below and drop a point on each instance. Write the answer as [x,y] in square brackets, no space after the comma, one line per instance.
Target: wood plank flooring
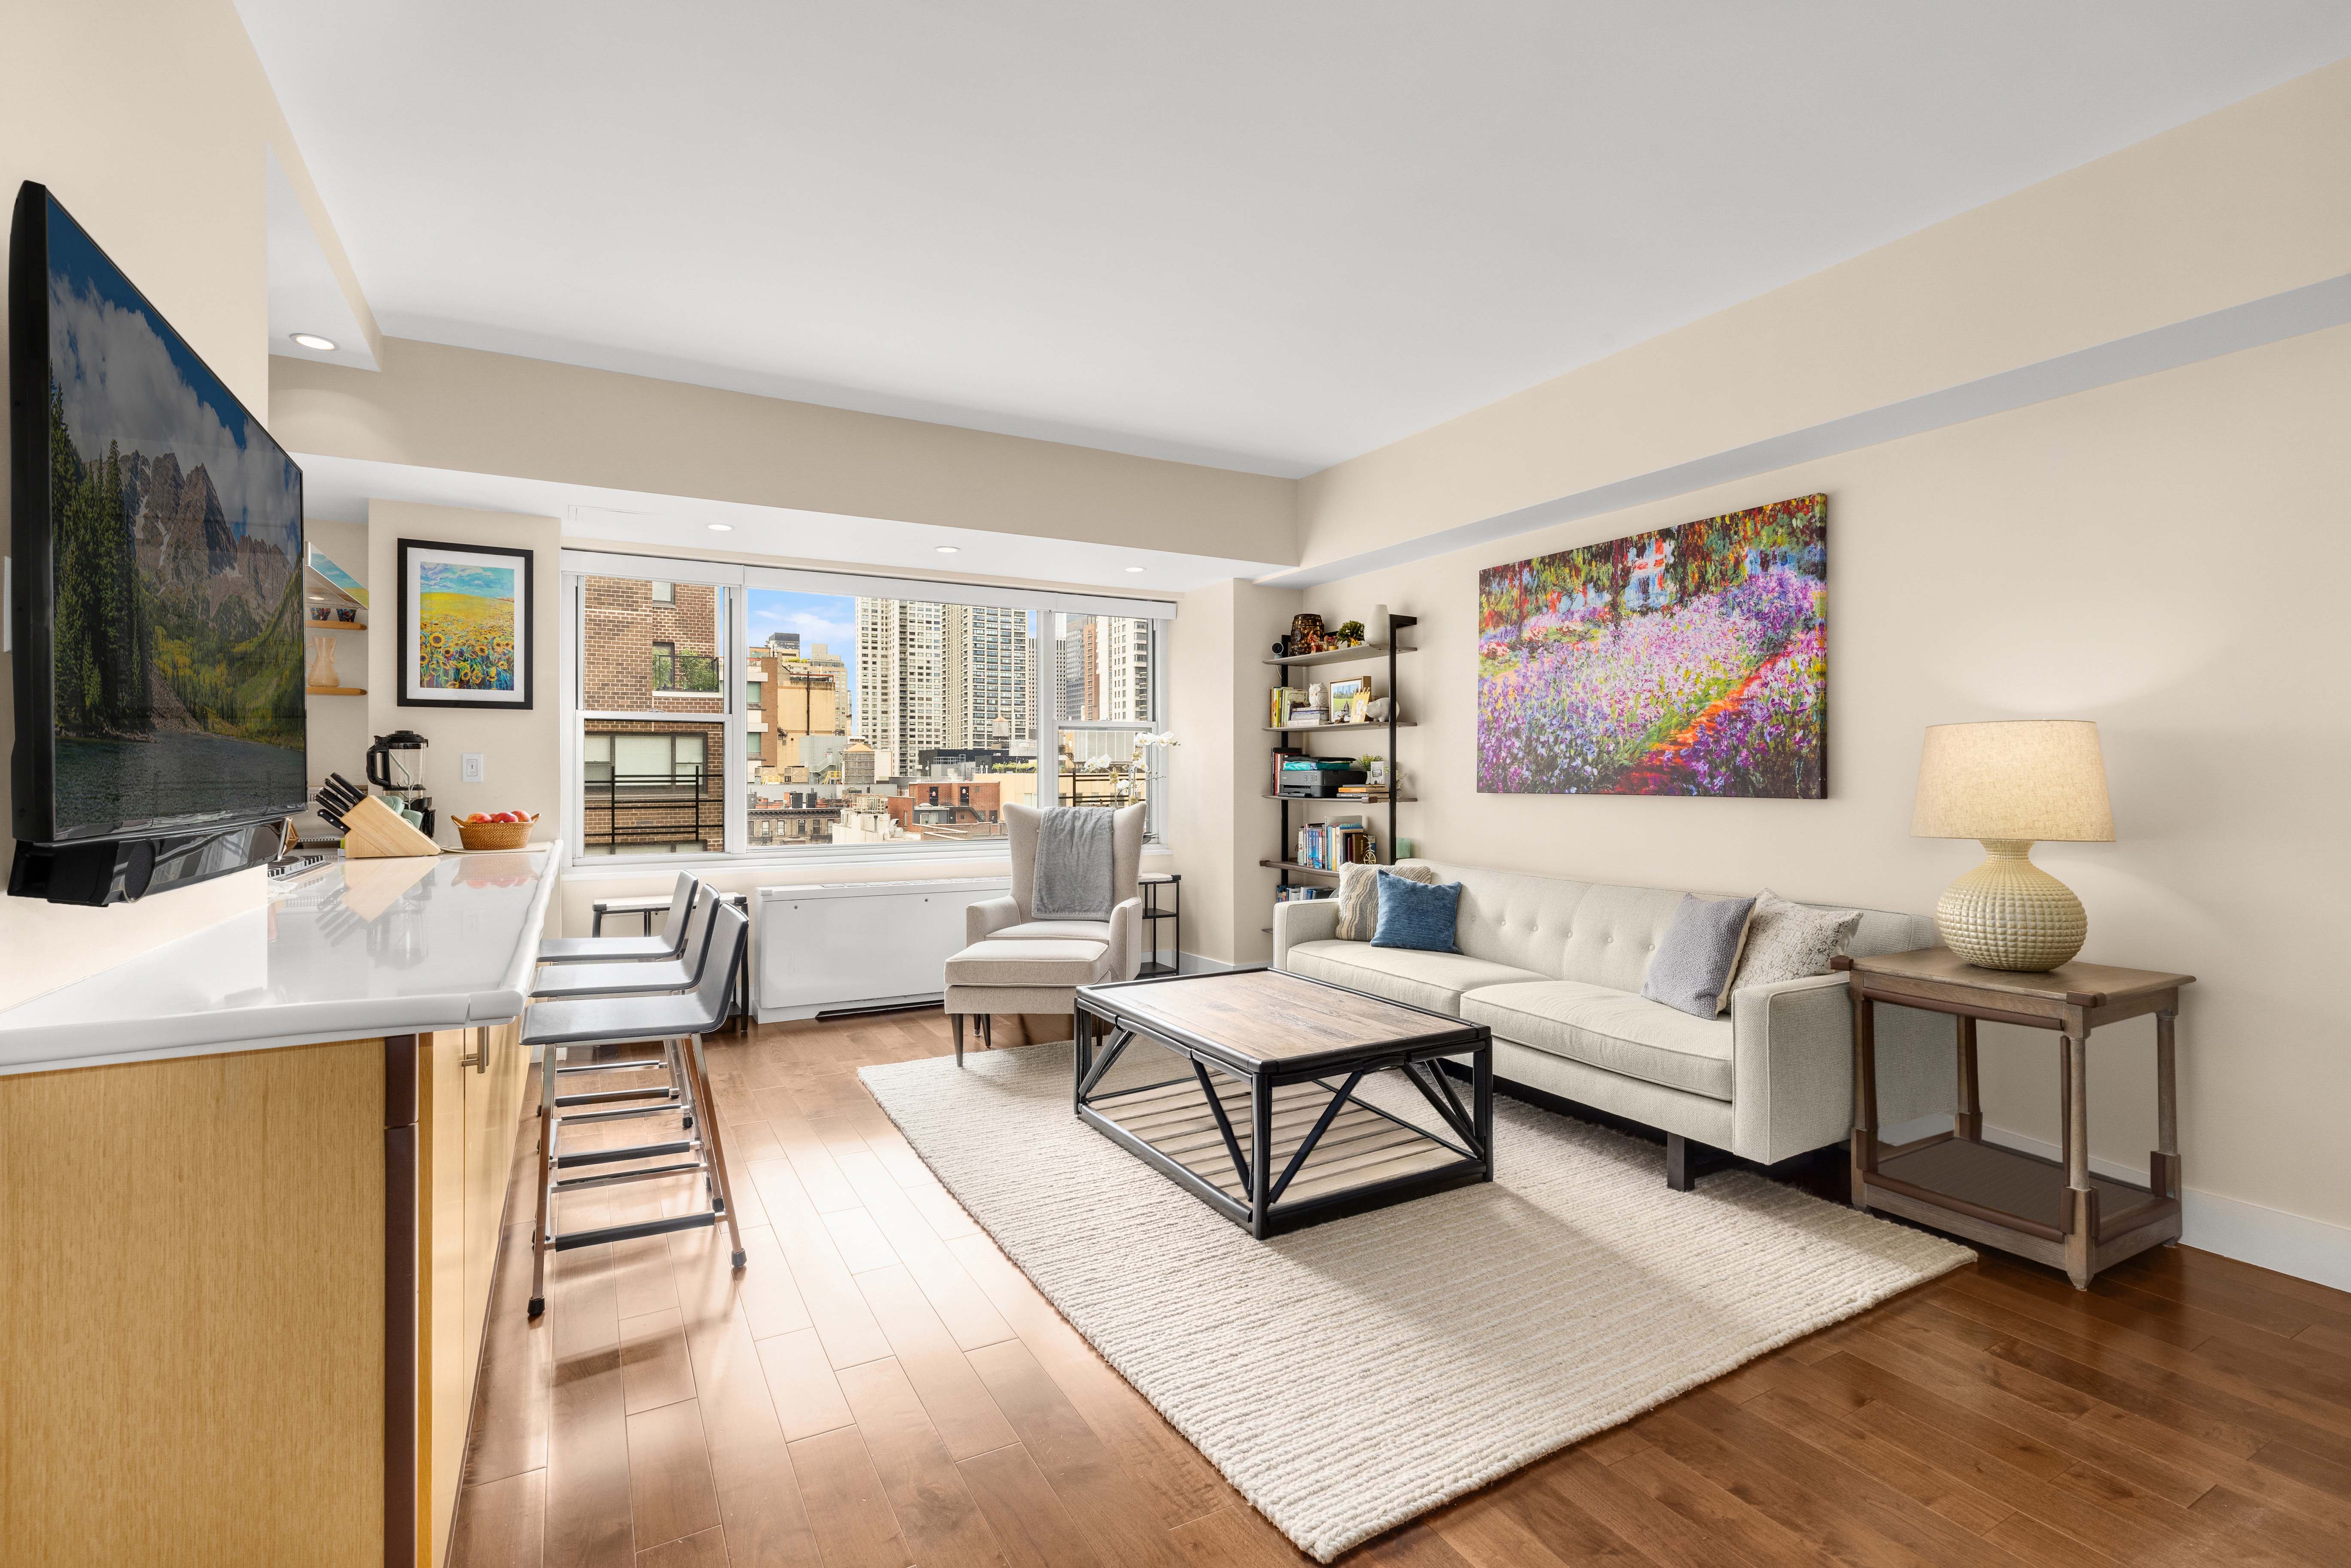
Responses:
[881,1387]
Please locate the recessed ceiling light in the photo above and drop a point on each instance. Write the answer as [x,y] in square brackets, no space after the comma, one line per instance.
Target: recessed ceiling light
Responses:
[950,549]
[1135,569]
[720,528]
[312,341]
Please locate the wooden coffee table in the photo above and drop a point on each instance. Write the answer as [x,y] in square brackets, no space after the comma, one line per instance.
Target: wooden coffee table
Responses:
[1275,1060]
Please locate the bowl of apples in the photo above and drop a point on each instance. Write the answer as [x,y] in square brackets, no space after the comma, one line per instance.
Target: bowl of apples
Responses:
[496,829]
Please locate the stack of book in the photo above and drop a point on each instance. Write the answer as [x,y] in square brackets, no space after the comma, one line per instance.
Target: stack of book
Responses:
[1363,791]
[1327,846]
[1297,892]
[1287,709]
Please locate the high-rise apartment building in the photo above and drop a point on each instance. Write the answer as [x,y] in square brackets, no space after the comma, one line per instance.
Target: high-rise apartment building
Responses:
[985,660]
[901,674]
[1103,663]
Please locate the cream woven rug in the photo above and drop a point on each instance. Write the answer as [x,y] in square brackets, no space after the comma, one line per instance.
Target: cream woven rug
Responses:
[1352,1376]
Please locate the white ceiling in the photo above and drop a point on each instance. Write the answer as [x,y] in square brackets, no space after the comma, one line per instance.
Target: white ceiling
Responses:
[1265,235]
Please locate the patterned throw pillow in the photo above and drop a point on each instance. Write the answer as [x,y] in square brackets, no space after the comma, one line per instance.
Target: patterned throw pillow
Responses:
[1789,942]
[1359,896]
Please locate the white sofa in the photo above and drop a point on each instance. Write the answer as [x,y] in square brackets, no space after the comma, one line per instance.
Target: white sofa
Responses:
[1554,969]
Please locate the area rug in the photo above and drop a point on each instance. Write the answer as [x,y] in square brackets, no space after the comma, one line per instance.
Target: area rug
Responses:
[1347,1377]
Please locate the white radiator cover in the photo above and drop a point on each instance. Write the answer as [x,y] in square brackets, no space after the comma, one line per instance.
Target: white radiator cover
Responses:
[827,946]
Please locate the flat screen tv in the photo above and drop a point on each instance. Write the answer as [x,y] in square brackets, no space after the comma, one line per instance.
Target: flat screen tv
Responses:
[157,589]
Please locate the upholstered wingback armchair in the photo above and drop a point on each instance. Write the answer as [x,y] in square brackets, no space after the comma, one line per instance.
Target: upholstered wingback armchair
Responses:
[1013,963]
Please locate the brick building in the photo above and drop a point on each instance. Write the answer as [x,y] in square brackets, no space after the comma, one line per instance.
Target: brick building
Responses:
[651,785]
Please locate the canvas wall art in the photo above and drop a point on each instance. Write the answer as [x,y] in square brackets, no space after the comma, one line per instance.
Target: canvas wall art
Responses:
[465,625]
[1691,661]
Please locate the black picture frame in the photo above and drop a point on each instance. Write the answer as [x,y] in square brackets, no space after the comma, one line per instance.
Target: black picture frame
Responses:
[404,620]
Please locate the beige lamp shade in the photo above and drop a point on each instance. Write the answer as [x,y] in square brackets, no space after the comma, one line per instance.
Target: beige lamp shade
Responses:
[2019,781]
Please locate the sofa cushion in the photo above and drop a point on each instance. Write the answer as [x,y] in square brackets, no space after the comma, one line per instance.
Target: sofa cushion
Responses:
[1030,963]
[1691,969]
[1431,980]
[1609,1028]
[1054,931]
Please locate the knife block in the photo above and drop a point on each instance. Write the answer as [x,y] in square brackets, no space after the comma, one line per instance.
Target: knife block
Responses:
[373,831]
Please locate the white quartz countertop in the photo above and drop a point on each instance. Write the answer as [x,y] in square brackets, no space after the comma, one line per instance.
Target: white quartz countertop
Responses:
[357,948]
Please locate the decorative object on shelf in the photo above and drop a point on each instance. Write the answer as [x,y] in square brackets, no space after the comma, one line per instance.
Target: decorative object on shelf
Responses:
[2010,784]
[1713,635]
[464,627]
[322,663]
[321,612]
[1306,635]
[1348,699]
[1379,623]
[1314,695]
[1349,634]
[1376,710]
[1405,849]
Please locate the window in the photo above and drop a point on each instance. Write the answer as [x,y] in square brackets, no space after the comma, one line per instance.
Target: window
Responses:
[860,722]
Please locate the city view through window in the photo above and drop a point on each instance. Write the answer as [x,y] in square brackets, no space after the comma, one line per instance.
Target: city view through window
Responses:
[865,720]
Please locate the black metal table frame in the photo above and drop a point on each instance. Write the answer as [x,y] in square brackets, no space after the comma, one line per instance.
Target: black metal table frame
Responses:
[1264,1214]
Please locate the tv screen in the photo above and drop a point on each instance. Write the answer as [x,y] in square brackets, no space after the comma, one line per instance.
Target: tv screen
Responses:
[159,685]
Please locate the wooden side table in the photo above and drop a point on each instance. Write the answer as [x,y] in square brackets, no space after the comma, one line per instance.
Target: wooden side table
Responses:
[2054,1212]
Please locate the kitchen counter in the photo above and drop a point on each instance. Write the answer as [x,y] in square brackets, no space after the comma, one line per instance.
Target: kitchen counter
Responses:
[357,948]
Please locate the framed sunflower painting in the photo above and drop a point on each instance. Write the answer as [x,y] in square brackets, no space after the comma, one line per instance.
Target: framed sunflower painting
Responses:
[465,625]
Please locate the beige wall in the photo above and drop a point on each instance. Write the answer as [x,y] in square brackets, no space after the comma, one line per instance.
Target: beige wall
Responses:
[2167,556]
[522,763]
[439,407]
[336,727]
[149,121]
[2239,205]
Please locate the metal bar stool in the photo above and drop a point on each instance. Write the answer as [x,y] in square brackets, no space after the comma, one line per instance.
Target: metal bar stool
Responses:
[636,977]
[679,1020]
[630,949]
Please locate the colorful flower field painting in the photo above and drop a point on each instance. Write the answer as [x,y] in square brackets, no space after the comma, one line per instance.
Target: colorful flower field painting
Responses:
[465,625]
[1693,661]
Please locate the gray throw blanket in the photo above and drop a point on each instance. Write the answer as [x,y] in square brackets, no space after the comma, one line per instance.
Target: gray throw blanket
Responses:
[1073,870]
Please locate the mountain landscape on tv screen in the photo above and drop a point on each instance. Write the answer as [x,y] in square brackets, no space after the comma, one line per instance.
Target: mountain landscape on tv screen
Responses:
[176,532]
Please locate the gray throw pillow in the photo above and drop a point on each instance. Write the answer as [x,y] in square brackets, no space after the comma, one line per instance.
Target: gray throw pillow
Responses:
[1789,942]
[1359,896]
[1692,966]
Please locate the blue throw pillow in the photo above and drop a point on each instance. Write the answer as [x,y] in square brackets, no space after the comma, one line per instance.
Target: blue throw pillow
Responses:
[1417,914]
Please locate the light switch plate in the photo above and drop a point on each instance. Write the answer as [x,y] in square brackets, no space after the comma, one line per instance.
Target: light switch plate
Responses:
[469,767]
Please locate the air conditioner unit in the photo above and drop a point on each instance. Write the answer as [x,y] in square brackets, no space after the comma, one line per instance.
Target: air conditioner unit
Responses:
[846,946]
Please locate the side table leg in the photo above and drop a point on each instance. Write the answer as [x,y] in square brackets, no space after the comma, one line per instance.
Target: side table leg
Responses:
[2082,1199]
[1969,1123]
[1865,1096]
[2163,1165]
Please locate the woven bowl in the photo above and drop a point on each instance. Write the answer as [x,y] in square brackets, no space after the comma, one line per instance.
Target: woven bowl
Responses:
[496,835]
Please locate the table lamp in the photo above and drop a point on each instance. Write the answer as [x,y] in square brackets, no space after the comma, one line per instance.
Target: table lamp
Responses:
[2012,784]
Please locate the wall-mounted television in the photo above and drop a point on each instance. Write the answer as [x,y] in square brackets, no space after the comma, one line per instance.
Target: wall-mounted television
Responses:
[157,589]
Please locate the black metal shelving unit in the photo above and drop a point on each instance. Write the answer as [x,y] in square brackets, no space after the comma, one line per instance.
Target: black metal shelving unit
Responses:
[1360,653]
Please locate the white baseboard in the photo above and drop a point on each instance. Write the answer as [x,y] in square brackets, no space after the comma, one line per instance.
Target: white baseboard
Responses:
[2266,1237]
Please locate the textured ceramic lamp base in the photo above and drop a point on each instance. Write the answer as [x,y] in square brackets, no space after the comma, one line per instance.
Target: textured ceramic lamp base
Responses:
[2008,914]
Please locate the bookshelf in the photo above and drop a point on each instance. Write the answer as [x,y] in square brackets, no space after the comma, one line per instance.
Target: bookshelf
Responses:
[1360,653]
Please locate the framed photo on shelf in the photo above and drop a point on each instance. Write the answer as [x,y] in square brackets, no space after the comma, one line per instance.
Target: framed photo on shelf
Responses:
[1348,699]
[465,623]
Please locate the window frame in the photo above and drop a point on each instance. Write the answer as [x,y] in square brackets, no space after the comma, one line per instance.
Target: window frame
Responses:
[734,582]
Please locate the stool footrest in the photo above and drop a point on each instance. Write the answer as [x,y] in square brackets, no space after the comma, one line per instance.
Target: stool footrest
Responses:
[601,1234]
[613,1156]
[627,1064]
[581,1118]
[573,1184]
[606,1096]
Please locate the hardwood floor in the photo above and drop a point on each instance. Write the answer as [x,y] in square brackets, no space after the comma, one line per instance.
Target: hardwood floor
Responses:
[881,1387]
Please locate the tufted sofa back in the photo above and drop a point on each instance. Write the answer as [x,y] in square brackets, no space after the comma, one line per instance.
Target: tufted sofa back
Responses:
[1600,934]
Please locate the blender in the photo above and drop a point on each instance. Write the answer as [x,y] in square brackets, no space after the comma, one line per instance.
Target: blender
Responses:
[395,765]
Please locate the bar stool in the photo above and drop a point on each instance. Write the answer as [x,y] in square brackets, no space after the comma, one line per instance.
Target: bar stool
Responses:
[630,949]
[679,1020]
[637,978]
